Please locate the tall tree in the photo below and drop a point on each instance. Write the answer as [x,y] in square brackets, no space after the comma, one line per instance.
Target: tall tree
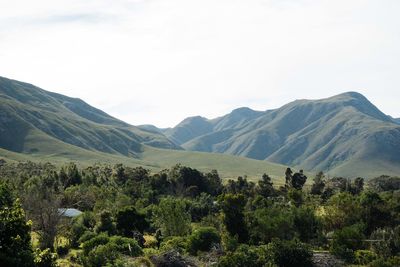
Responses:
[15,238]
[172,217]
[233,216]
[42,202]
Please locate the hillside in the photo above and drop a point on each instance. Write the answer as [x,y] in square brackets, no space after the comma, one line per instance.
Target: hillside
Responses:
[345,135]
[38,125]
[30,116]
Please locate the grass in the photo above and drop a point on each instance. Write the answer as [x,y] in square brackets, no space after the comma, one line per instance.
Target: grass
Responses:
[154,159]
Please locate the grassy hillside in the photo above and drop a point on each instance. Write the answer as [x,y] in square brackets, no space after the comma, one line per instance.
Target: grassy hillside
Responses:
[342,134]
[156,159]
[28,113]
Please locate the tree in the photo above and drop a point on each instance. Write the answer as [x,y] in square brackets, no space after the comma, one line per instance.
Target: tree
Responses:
[373,211]
[106,223]
[346,241]
[298,180]
[358,186]
[203,239]
[15,239]
[172,217]
[42,202]
[233,215]
[69,175]
[266,223]
[265,186]
[306,224]
[319,184]
[288,178]
[128,220]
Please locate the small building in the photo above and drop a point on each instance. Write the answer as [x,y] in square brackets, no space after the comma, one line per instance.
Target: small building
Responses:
[70,213]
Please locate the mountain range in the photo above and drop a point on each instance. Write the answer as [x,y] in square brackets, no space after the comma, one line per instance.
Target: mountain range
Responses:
[342,135]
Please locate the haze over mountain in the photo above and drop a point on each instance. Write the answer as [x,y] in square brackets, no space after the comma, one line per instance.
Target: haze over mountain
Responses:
[343,135]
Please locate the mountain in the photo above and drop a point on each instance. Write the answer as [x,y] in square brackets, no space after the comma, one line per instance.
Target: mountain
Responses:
[29,114]
[38,125]
[344,134]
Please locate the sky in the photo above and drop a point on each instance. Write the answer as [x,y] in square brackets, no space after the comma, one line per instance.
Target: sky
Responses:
[160,61]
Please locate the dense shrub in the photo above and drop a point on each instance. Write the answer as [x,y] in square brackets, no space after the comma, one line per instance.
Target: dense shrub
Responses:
[346,241]
[389,241]
[203,239]
[364,257]
[176,243]
[245,256]
[90,244]
[102,255]
[45,258]
[290,253]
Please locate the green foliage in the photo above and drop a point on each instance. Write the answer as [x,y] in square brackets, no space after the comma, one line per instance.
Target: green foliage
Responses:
[306,224]
[102,250]
[265,186]
[14,231]
[295,196]
[373,211]
[128,219]
[69,175]
[270,222]
[202,239]
[290,253]
[388,243]
[102,255]
[89,245]
[175,243]
[233,215]
[45,258]
[81,225]
[364,257]
[201,206]
[106,223]
[245,256]
[172,217]
[319,184]
[341,210]
[385,262]
[346,241]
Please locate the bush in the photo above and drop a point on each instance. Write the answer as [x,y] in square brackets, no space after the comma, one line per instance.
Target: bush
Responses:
[389,243]
[176,243]
[290,253]
[363,257]
[45,258]
[346,241]
[102,255]
[127,246]
[389,262]
[86,236]
[90,244]
[245,256]
[102,250]
[202,239]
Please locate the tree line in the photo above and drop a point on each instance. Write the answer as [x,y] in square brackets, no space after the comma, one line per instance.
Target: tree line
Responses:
[182,216]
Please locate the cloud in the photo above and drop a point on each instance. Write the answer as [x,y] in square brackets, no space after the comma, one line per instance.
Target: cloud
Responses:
[158,61]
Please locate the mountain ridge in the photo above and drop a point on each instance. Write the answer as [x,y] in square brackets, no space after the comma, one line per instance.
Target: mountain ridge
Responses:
[343,135]
[314,134]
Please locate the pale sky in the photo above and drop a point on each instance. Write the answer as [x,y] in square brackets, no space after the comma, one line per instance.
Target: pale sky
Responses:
[159,61]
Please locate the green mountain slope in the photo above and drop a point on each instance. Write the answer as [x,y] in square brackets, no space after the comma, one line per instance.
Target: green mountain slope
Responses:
[29,114]
[344,134]
[38,125]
